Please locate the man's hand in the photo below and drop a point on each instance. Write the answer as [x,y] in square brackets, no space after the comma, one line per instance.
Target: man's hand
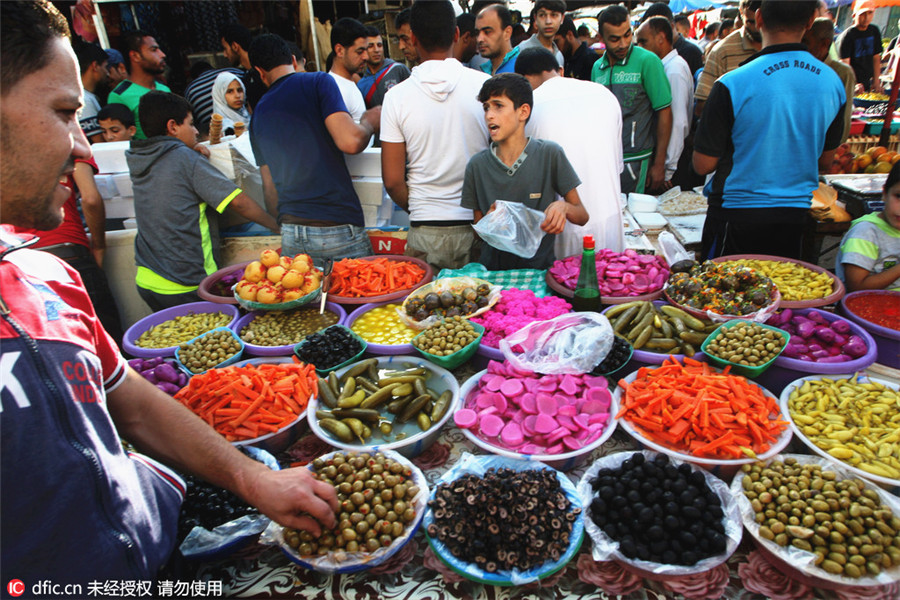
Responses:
[372,117]
[295,498]
[656,177]
[555,217]
[202,149]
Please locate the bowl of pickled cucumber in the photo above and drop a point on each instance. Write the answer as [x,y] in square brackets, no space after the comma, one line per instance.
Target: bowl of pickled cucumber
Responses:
[275,333]
[380,325]
[395,403]
[162,332]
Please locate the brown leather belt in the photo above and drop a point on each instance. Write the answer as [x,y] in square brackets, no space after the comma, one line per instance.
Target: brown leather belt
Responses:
[292,220]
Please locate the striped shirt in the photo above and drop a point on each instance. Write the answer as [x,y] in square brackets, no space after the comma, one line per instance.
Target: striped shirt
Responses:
[199,94]
[724,58]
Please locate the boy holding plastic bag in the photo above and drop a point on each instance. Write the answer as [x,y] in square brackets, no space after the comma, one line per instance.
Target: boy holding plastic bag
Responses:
[528,173]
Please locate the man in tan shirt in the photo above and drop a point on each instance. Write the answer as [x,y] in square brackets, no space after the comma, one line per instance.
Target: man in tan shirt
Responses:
[730,52]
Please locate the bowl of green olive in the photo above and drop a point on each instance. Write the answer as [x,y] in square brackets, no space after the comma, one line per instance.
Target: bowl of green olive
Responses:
[449,343]
[211,350]
[382,496]
[748,348]
[275,333]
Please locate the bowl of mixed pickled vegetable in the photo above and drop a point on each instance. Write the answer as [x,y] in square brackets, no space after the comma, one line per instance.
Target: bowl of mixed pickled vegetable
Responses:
[726,290]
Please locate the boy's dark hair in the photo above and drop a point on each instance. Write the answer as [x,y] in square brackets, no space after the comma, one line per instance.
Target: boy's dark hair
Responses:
[712,28]
[502,13]
[751,5]
[26,32]
[614,14]
[402,18]
[87,54]
[268,51]
[296,52]
[199,68]
[661,25]
[567,25]
[683,19]
[157,108]
[893,177]
[727,24]
[346,31]
[512,85]
[466,23]
[118,112]
[133,41]
[551,5]
[433,22]
[235,33]
[787,16]
[372,31]
[657,9]
[583,30]
[534,61]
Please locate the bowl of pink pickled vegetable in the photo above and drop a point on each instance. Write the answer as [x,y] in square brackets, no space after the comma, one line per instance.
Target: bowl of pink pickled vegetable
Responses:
[623,276]
[555,419]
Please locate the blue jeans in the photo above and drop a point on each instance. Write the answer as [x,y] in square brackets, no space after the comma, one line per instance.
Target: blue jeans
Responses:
[343,241]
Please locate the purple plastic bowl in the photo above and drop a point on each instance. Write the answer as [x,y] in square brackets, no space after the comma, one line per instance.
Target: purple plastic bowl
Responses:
[887,340]
[378,349]
[134,332]
[255,350]
[785,370]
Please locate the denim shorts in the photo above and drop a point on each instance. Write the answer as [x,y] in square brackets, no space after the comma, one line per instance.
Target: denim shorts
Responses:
[342,241]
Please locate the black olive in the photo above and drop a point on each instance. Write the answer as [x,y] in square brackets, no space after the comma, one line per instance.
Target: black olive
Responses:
[607,492]
[669,557]
[655,533]
[689,558]
[432,301]
[598,506]
[671,522]
[628,547]
[646,515]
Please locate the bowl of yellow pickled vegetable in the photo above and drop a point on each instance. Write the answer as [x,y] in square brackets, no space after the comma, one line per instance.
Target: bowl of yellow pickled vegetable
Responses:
[380,325]
[801,284]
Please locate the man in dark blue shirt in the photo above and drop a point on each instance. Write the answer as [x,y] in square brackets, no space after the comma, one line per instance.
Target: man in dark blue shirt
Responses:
[301,128]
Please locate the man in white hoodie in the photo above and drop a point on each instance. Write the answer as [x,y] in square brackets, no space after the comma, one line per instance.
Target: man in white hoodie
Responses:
[431,124]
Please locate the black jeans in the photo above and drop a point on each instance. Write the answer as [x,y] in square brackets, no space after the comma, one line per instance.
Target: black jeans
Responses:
[158,302]
[772,231]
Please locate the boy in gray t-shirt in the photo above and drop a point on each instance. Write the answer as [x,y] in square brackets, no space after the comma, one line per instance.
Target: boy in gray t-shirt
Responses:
[519,169]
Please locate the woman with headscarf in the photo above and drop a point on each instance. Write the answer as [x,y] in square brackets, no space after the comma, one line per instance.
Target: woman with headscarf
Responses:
[228,96]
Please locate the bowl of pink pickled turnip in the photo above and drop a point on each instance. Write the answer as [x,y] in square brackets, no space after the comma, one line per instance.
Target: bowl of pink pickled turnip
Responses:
[555,419]
[622,276]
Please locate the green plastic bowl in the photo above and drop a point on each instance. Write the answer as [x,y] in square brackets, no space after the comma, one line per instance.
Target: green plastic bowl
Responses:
[353,359]
[749,372]
[225,363]
[457,358]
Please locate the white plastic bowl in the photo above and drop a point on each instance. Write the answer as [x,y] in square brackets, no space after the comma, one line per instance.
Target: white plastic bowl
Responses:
[892,485]
[417,441]
[563,461]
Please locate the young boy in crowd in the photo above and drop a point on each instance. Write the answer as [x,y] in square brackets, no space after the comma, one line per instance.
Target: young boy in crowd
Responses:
[520,169]
[869,258]
[177,243]
[117,123]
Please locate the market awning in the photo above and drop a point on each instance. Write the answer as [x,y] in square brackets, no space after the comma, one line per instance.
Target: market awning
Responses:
[678,6]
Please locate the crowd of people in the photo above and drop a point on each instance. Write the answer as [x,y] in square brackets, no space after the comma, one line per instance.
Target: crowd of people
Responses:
[547,122]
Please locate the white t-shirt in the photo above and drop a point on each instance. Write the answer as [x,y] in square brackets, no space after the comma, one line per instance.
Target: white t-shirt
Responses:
[682,83]
[437,115]
[353,98]
[586,120]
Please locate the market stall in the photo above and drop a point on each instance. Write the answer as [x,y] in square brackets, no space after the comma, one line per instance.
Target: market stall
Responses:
[652,429]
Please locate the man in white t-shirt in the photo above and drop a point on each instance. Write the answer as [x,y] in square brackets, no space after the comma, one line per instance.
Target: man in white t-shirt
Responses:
[656,35]
[93,64]
[348,42]
[431,124]
[562,107]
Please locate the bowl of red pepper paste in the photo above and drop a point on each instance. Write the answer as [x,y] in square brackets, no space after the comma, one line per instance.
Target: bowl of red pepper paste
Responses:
[878,312]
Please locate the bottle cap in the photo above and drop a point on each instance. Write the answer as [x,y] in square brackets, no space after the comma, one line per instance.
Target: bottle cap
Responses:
[588,242]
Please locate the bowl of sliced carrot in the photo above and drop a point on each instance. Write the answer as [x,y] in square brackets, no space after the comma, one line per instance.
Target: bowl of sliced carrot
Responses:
[377,278]
[259,402]
[702,415]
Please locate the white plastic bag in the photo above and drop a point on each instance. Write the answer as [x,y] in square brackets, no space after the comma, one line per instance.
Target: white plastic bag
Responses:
[512,227]
[571,343]
[672,249]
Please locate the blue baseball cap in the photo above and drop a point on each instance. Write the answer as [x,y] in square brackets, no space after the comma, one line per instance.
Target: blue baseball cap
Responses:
[115,57]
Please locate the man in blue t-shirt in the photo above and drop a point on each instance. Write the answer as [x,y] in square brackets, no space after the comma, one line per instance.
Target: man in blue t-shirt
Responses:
[762,130]
[301,128]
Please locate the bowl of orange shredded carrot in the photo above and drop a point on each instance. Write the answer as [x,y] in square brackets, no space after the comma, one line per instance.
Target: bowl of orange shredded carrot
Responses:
[378,278]
[258,402]
[699,414]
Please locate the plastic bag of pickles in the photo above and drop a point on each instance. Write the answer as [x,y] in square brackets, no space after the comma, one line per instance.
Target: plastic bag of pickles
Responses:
[448,297]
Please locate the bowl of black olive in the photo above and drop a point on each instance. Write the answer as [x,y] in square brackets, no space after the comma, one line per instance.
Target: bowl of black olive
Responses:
[618,357]
[215,523]
[658,515]
[330,349]
[448,297]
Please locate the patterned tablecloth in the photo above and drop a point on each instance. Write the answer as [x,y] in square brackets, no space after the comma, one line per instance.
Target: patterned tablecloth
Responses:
[415,573]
